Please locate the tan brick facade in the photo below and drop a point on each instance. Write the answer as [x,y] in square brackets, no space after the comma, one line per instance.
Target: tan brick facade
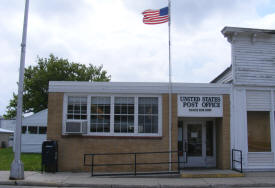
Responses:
[223,136]
[73,148]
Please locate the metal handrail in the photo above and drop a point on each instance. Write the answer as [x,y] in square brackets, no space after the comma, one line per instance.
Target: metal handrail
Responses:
[134,163]
[236,161]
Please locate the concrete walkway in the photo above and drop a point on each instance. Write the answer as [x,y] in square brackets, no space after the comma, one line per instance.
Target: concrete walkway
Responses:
[67,179]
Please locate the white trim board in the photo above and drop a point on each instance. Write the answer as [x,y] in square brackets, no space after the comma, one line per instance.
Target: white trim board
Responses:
[137,87]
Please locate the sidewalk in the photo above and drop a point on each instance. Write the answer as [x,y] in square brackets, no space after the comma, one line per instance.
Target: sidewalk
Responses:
[62,179]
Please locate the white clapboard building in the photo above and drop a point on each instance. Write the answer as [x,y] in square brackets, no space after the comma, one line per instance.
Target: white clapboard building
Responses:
[252,76]
[34,131]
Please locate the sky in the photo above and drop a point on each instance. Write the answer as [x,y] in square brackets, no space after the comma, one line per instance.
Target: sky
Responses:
[111,33]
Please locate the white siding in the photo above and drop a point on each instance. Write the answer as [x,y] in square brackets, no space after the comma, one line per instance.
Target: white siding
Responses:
[258,100]
[8,124]
[238,122]
[254,62]
[260,160]
[32,143]
[227,78]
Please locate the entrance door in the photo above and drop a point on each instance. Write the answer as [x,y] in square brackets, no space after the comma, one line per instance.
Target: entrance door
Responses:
[198,140]
[195,146]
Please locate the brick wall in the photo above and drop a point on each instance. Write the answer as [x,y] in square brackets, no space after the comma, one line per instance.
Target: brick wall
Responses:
[72,148]
[223,136]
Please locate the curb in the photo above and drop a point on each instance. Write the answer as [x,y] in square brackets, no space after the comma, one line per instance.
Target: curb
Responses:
[43,184]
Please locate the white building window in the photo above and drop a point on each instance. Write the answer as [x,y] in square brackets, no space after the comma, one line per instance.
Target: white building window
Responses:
[77,108]
[115,115]
[124,115]
[24,129]
[42,130]
[147,114]
[32,130]
[100,114]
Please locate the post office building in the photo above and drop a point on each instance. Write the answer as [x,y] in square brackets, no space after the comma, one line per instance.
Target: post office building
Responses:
[232,116]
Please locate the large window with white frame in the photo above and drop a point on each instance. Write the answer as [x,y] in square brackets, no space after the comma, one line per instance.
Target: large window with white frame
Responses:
[77,108]
[148,115]
[124,115]
[100,114]
[116,115]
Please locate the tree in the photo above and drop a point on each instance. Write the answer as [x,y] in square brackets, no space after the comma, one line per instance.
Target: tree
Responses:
[36,81]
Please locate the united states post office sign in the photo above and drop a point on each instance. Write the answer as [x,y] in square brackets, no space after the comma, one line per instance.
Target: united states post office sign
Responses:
[200,105]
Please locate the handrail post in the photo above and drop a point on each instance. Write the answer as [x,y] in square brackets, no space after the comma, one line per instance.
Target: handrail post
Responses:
[241,161]
[135,164]
[178,161]
[92,168]
[232,160]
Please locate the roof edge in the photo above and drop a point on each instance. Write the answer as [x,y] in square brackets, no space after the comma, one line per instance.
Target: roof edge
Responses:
[227,30]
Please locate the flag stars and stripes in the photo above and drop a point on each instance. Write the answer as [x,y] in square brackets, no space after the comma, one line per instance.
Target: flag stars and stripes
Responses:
[156,16]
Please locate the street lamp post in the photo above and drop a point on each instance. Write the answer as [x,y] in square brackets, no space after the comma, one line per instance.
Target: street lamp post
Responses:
[17,167]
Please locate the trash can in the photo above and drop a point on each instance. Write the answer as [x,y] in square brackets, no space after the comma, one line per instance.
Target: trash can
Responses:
[49,156]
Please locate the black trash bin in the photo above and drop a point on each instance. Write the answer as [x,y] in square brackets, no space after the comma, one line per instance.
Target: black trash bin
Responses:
[49,156]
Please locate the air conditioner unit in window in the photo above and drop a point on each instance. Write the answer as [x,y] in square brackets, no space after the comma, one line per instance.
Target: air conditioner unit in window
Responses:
[76,127]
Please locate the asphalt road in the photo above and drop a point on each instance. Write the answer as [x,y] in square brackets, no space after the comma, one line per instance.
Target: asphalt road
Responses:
[14,186]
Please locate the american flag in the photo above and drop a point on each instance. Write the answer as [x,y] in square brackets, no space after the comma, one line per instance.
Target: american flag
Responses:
[155,16]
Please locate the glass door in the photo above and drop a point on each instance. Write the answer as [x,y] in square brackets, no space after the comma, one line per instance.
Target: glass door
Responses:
[194,140]
[193,132]
[200,141]
[210,132]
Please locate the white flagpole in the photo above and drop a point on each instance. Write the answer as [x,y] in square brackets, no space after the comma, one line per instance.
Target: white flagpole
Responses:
[170,87]
[17,167]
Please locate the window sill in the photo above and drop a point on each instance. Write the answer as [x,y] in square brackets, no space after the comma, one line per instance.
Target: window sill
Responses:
[112,137]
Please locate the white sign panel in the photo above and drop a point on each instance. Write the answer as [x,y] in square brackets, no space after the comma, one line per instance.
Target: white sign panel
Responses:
[200,105]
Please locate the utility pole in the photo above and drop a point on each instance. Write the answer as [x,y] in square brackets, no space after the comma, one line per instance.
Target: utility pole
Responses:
[17,167]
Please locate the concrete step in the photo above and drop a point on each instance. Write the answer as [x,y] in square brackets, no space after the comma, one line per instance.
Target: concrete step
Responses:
[210,173]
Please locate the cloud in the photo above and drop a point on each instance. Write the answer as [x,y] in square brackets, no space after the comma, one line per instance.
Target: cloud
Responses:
[111,33]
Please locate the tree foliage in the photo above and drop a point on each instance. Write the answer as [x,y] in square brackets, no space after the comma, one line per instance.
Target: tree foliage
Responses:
[36,81]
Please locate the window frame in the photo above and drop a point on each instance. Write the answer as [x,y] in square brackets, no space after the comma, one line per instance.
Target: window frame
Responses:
[90,114]
[28,131]
[271,111]
[39,130]
[112,114]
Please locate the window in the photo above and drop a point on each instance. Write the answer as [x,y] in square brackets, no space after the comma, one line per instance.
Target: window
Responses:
[42,130]
[147,114]
[115,115]
[77,108]
[258,127]
[32,130]
[24,129]
[100,114]
[124,115]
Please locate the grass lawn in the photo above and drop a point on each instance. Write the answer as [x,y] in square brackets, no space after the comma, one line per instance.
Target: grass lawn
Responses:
[32,161]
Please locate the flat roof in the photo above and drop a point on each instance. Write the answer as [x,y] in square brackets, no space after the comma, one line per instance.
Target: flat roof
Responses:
[137,87]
